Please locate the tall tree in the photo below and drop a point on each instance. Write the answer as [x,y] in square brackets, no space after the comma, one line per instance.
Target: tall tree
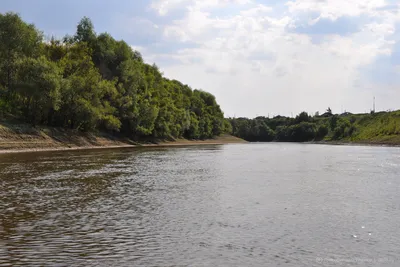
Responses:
[94,82]
[85,31]
[17,40]
[38,88]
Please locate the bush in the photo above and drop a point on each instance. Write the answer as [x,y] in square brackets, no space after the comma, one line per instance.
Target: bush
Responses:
[112,123]
[321,132]
[303,132]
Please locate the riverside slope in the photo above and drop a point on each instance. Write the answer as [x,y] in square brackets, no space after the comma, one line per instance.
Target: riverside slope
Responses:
[24,138]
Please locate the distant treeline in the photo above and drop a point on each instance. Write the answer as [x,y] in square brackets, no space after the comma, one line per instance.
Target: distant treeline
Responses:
[383,126]
[93,82]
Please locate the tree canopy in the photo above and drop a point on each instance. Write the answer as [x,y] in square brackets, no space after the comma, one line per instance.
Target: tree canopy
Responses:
[302,128]
[93,82]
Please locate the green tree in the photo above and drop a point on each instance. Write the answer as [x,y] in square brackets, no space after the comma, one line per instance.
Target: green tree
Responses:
[93,82]
[38,89]
[302,117]
[84,105]
[85,31]
[227,127]
[329,112]
[17,40]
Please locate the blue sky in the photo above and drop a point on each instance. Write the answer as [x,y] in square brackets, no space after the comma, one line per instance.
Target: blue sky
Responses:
[257,57]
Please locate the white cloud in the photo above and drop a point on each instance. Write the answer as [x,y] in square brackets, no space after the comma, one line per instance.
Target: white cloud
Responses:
[258,10]
[256,65]
[165,6]
[334,9]
[207,4]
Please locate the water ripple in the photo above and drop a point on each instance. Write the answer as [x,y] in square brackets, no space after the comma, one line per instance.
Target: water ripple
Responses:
[239,205]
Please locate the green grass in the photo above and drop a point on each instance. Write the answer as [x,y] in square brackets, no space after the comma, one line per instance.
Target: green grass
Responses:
[382,127]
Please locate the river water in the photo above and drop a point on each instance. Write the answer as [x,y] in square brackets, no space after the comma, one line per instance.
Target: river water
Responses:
[219,205]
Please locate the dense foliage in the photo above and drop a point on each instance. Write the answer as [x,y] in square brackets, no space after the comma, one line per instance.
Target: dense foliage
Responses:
[302,128]
[92,82]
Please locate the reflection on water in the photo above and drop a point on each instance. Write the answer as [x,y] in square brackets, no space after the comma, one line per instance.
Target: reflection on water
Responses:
[232,205]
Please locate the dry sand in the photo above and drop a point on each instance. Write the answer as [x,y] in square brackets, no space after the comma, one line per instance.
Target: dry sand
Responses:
[17,138]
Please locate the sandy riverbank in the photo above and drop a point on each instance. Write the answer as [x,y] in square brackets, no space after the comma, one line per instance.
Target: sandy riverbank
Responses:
[17,138]
[216,141]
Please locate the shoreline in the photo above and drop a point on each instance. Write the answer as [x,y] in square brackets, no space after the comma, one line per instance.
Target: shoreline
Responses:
[179,143]
[23,138]
[350,143]
[182,143]
[60,149]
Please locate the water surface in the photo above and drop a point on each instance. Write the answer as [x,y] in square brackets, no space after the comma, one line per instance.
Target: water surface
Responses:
[230,205]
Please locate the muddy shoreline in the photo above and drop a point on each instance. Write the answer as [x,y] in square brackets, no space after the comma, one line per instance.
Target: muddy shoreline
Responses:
[181,142]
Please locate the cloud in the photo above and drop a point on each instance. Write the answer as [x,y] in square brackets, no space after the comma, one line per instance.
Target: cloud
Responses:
[258,61]
[334,9]
[163,7]
[257,57]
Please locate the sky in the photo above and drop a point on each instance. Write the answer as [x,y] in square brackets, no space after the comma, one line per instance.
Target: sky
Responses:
[259,58]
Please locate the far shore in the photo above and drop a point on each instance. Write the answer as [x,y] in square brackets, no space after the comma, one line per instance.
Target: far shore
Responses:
[343,143]
[223,140]
[22,138]
[357,143]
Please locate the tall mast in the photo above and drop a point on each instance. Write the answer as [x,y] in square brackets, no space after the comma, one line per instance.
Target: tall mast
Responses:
[374,104]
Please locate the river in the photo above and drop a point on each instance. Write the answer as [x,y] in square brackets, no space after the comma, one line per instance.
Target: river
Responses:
[273,204]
